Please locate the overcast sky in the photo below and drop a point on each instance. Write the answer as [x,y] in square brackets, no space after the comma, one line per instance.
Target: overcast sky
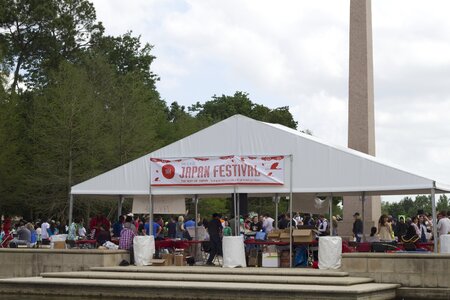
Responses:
[295,53]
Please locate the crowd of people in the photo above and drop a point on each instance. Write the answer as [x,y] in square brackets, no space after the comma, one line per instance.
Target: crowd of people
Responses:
[122,231]
[403,229]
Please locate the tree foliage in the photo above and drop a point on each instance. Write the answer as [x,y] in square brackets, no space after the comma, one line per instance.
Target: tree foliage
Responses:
[409,207]
[222,107]
[75,103]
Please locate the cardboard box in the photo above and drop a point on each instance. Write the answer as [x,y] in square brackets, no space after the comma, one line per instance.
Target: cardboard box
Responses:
[59,245]
[284,236]
[180,260]
[169,259]
[303,235]
[284,259]
[254,258]
[274,234]
[158,262]
[271,260]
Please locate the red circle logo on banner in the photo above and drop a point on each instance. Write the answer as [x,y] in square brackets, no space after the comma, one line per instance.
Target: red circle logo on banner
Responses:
[168,171]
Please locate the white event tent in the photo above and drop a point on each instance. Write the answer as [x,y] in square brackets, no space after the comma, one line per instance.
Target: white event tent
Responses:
[312,166]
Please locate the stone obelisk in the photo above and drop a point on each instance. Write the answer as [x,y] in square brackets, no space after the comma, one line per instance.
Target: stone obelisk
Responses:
[361,120]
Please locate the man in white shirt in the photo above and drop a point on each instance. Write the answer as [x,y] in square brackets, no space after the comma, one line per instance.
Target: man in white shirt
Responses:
[443,225]
[268,223]
[44,227]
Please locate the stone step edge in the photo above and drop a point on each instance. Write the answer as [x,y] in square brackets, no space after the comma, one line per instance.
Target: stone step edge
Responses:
[219,270]
[332,281]
[29,282]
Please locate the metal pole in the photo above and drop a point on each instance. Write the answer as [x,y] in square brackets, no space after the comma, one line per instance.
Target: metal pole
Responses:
[290,212]
[276,200]
[236,214]
[239,215]
[195,217]
[196,226]
[119,206]
[70,208]
[363,199]
[433,208]
[330,208]
[150,204]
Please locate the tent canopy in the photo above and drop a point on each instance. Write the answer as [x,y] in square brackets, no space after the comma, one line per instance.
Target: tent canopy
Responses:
[318,167]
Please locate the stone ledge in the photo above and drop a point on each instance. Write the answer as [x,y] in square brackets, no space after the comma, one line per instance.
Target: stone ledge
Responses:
[63,251]
[395,255]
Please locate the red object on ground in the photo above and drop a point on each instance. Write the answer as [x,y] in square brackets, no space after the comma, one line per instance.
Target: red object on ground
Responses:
[315,264]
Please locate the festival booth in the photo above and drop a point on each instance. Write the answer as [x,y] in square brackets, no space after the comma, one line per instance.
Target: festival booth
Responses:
[242,155]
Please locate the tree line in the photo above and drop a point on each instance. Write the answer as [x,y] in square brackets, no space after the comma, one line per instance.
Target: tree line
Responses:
[76,102]
[410,207]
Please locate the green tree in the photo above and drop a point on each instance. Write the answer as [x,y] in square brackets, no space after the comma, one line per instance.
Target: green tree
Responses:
[220,108]
[37,35]
[442,203]
[65,140]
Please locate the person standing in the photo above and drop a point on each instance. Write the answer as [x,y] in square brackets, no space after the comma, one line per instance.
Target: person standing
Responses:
[171,228]
[443,225]
[357,227]
[44,233]
[180,228]
[268,223]
[215,238]
[384,229]
[126,238]
[323,226]
[118,226]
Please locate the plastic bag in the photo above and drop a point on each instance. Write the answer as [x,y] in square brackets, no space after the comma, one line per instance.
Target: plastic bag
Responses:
[144,248]
[330,252]
[110,245]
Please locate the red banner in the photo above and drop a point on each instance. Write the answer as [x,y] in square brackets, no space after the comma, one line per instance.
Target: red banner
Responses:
[224,170]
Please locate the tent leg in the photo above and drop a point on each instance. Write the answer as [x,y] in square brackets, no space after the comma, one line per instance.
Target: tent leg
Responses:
[236,214]
[330,209]
[150,217]
[119,206]
[433,208]
[70,208]
[238,200]
[363,204]
[196,225]
[276,199]
[290,212]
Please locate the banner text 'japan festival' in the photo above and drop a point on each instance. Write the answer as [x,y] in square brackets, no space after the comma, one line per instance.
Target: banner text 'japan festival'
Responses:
[223,170]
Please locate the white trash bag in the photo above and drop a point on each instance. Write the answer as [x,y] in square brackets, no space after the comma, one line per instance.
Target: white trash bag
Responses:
[110,245]
[144,248]
[233,252]
[330,252]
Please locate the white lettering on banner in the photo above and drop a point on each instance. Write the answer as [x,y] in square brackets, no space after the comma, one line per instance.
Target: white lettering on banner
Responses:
[224,170]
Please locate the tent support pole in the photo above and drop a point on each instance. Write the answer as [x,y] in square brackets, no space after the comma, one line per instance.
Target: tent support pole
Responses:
[196,224]
[276,200]
[433,209]
[150,204]
[363,204]
[290,211]
[238,200]
[70,208]
[236,215]
[119,206]
[330,209]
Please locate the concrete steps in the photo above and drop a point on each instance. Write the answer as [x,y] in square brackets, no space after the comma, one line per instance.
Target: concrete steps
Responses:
[202,283]
[217,270]
[243,278]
